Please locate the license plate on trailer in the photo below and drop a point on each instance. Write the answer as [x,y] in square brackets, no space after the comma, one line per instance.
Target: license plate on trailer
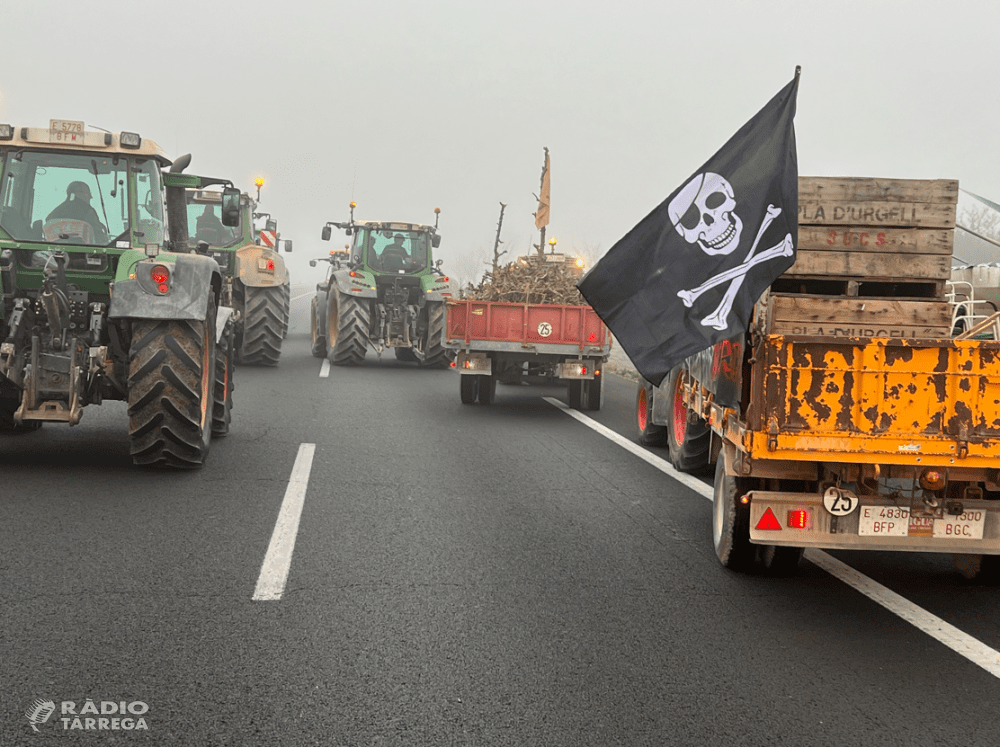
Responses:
[967,525]
[65,130]
[884,521]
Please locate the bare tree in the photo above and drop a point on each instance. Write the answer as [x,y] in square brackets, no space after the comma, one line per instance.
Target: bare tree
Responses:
[496,244]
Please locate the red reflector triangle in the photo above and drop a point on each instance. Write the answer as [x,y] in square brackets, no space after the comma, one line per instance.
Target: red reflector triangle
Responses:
[592,337]
[768,521]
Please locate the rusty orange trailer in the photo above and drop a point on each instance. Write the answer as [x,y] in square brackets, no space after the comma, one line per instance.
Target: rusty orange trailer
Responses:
[822,437]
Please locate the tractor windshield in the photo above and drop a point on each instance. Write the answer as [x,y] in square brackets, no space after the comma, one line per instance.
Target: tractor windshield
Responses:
[72,198]
[396,251]
[203,210]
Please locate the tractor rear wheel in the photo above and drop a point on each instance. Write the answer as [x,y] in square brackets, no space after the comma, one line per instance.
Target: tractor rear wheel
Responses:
[171,391]
[348,322]
[222,404]
[318,339]
[435,355]
[263,315]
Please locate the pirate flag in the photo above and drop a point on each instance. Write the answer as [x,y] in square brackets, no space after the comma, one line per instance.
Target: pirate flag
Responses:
[687,276]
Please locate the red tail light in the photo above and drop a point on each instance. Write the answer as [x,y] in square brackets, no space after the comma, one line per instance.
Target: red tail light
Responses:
[161,276]
[798,519]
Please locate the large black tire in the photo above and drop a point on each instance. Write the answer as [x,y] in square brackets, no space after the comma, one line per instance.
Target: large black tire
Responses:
[688,439]
[348,322]
[731,520]
[434,353]
[647,433]
[592,394]
[263,315]
[318,337]
[469,388]
[487,389]
[222,400]
[171,391]
[286,309]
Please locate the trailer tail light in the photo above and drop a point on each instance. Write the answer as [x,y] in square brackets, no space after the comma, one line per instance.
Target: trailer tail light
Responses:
[160,275]
[768,521]
[453,364]
[798,519]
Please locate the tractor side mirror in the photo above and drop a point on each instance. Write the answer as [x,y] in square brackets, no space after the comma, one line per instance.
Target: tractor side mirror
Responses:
[230,207]
[435,241]
[327,233]
[287,245]
[271,225]
[439,263]
[312,262]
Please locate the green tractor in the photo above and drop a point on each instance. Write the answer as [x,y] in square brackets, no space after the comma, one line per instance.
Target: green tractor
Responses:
[256,284]
[97,303]
[387,293]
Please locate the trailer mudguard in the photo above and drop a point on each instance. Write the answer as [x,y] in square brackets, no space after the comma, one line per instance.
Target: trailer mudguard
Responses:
[248,267]
[192,278]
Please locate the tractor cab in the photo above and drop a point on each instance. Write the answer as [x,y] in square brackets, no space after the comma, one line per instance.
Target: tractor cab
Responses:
[392,248]
[203,215]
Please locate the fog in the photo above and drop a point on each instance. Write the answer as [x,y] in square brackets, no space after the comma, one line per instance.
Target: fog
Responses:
[407,106]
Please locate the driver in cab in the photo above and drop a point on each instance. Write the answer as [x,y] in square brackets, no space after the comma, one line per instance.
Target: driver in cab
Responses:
[77,206]
[395,256]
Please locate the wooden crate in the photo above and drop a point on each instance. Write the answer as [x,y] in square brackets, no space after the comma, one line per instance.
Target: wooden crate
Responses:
[872,260]
[896,230]
[857,317]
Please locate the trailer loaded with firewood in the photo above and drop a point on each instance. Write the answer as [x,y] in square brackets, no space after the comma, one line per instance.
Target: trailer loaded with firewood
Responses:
[847,416]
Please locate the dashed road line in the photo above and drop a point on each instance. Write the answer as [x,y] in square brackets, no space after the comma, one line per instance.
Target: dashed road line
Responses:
[303,295]
[961,643]
[278,559]
[324,370]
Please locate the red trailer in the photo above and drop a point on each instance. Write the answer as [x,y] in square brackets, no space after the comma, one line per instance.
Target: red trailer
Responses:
[507,342]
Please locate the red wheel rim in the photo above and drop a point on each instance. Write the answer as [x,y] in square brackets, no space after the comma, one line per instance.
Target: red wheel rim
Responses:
[642,408]
[680,412]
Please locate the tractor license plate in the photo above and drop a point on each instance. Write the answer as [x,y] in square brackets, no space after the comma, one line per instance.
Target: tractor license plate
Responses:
[65,131]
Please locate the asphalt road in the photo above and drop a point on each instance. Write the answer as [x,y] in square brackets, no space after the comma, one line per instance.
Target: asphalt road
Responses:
[461,575]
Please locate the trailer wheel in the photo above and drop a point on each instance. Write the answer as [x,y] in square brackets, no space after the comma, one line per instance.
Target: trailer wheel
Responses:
[648,433]
[317,339]
[731,520]
[576,394]
[222,404]
[348,321]
[469,387]
[982,569]
[689,442]
[487,389]
[171,390]
[779,560]
[592,394]
[259,343]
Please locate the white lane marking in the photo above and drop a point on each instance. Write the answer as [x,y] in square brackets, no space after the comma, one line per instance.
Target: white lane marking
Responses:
[296,298]
[961,643]
[324,370]
[278,560]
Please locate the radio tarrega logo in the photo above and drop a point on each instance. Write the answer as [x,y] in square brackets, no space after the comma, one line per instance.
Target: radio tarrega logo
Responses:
[91,715]
[39,711]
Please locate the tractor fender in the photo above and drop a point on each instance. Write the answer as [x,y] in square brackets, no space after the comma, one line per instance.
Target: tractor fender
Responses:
[193,277]
[248,261]
[358,287]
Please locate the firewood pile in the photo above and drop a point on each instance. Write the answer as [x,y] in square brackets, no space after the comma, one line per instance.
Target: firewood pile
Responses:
[527,283]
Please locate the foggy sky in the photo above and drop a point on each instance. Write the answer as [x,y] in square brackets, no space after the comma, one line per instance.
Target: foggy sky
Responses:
[405,106]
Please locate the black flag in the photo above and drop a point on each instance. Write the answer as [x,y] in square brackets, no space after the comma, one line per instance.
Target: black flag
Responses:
[687,276]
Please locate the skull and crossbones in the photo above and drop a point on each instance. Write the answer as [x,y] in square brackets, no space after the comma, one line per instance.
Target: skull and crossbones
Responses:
[703,213]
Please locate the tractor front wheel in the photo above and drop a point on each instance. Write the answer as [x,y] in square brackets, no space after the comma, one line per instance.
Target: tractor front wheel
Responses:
[222,404]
